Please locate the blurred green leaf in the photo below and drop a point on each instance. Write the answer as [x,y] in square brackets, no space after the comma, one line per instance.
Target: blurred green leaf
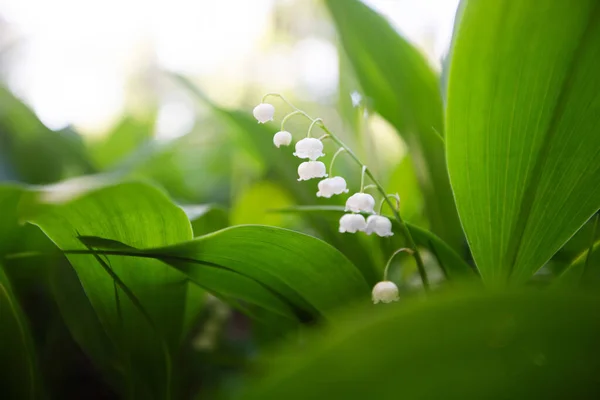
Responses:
[56,154]
[300,273]
[138,215]
[253,205]
[523,130]
[18,371]
[469,345]
[406,92]
[125,139]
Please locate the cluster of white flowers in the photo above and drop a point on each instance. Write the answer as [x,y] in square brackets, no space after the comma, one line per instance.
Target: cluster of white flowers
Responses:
[311,149]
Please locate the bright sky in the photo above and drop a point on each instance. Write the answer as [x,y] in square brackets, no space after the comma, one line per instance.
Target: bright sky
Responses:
[76,58]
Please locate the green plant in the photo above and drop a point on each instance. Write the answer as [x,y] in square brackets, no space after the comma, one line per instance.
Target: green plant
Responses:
[507,163]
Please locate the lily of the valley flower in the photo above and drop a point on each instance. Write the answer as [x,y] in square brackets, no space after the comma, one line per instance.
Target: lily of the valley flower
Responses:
[360,202]
[380,225]
[385,292]
[311,169]
[310,148]
[330,186]
[264,112]
[352,223]
[282,138]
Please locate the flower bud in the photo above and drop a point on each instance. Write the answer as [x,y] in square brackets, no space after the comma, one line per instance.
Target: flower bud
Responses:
[310,148]
[330,186]
[360,202]
[380,225]
[385,292]
[282,138]
[352,223]
[264,112]
[311,169]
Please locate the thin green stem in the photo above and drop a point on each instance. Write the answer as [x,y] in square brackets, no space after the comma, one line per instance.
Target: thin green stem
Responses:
[380,188]
[288,117]
[312,124]
[586,266]
[362,177]
[333,160]
[371,186]
[395,196]
[387,266]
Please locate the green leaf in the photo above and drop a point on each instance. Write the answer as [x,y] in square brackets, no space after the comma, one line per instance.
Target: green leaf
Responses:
[206,218]
[523,131]
[18,371]
[406,92]
[469,345]
[137,215]
[300,273]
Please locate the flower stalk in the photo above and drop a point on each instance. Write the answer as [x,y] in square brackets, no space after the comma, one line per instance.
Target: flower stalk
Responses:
[366,171]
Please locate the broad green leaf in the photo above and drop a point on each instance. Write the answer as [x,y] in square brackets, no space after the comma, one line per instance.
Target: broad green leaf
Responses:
[405,91]
[138,215]
[523,131]
[254,204]
[298,271]
[18,371]
[454,346]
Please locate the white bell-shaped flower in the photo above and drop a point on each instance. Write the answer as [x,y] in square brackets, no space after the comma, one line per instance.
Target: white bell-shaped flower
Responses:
[360,202]
[311,169]
[352,223]
[330,186]
[385,292]
[310,148]
[380,225]
[264,112]
[282,138]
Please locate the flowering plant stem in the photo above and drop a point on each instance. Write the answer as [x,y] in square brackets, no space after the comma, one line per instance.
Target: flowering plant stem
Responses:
[380,188]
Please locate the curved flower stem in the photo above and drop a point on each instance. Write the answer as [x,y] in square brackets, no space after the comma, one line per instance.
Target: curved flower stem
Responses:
[395,196]
[362,178]
[405,230]
[312,124]
[288,117]
[387,266]
[380,188]
[333,160]
[371,186]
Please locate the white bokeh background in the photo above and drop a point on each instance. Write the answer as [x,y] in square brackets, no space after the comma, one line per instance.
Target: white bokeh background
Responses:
[74,62]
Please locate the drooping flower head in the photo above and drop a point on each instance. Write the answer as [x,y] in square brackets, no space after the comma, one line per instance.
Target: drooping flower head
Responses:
[310,148]
[264,112]
[282,138]
[385,292]
[380,225]
[360,202]
[352,223]
[311,169]
[330,186]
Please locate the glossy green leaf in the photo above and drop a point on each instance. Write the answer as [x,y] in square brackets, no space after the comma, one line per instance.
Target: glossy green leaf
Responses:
[300,276]
[206,218]
[470,346]
[139,215]
[18,371]
[406,92]
[523,131]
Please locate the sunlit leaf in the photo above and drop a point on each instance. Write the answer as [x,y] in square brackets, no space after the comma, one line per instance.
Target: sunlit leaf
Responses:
[523,131]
